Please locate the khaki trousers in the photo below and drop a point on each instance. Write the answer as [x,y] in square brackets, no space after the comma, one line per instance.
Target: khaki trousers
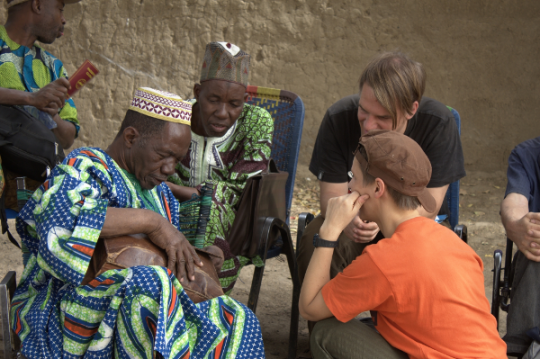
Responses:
[352,340]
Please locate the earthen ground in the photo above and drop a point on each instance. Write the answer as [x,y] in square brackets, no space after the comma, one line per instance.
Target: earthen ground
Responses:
[481,194]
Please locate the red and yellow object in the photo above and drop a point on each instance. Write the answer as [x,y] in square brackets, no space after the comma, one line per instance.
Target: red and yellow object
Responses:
[85,73]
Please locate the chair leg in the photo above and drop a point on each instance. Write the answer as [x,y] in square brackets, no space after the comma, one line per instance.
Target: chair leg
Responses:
[295,312]
[272,224]
[7,288]
[256,287]
[495,296]
[259,271]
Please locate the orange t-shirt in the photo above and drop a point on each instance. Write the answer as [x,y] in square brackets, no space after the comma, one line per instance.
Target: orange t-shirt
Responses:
[427,287]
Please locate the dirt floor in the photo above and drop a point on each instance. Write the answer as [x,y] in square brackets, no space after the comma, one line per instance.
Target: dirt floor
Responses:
[481,194]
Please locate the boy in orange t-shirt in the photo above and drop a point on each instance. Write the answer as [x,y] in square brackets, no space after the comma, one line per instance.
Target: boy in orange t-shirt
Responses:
[424,286]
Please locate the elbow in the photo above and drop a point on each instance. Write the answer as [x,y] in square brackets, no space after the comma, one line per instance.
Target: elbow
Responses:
[67,143]
[307,314]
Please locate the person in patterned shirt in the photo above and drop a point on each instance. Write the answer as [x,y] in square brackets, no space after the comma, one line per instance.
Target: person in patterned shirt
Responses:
[138,312]
[33,79]
[230,142]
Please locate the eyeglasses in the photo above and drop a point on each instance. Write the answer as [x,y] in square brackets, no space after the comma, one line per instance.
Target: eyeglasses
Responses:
[350,174]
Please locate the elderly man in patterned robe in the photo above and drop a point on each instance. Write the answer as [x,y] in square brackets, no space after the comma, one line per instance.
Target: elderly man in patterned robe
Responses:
[139,312]
[230,142]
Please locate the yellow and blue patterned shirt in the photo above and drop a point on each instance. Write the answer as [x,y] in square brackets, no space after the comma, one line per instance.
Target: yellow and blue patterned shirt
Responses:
[30,69]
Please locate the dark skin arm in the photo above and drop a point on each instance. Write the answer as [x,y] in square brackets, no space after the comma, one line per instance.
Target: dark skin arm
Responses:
[65,132]
[182,193]
[181,256]
[49,99]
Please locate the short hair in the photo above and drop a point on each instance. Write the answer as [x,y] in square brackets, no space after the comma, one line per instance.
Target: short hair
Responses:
[397,82]
[146,125]
[402,200]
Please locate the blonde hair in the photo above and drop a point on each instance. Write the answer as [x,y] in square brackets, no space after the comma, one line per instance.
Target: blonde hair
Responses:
[397,82]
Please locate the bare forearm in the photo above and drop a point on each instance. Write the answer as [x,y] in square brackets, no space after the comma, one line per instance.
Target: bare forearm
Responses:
[64,132]
[438,193]
[14,97]
[124,221]
[513,208]
[330,190]
[317,275]
[182,193]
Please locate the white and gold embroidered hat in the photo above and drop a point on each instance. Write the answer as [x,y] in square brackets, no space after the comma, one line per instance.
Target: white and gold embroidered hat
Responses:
[162,105]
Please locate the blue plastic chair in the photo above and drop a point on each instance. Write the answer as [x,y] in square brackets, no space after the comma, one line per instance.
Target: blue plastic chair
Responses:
[287,111]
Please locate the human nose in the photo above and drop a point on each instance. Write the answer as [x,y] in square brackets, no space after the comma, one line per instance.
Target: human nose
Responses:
[369,123]
[221,112]
[168,167]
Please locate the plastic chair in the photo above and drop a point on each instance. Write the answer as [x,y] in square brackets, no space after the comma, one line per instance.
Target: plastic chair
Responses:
[287,110]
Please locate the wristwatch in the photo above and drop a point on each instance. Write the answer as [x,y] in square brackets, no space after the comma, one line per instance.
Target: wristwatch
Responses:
[319,242]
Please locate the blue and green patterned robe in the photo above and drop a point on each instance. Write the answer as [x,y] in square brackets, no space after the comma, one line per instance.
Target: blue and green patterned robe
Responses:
[130,313]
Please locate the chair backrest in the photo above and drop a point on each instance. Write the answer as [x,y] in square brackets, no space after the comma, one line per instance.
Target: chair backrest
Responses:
[287,111]
[452,194]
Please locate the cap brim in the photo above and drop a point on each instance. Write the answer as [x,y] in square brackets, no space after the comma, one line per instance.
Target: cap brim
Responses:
[427,201]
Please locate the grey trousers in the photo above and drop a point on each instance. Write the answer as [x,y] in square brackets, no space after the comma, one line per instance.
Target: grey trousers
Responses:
[524,313]
[352,340]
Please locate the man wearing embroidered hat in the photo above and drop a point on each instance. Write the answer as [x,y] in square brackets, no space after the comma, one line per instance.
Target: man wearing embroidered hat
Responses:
[132,312]
[230,142]
[423,285]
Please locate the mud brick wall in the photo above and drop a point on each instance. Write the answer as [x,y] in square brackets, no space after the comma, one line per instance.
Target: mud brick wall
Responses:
[481,57]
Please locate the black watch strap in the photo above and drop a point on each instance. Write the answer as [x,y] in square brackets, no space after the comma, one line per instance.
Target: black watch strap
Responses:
[319,242]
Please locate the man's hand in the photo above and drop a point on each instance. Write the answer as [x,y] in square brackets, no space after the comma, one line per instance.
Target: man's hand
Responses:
[522,227]
[361,232]
[52,97]
[340,212]
[525,233]
[181,256]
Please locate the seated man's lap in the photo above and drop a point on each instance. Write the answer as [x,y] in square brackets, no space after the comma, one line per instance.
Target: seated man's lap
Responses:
[524,314]
[334,339]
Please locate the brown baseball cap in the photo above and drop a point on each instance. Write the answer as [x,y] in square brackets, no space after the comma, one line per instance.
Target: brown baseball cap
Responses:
[400,162]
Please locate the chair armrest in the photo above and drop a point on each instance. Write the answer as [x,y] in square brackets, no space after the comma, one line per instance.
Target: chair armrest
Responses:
[461,231]
[303,220]
[269,226]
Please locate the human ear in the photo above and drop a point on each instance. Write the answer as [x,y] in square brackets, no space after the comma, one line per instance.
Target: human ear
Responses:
[36,6]
[131,136]
[414,108]
[379,188]
[197,91]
